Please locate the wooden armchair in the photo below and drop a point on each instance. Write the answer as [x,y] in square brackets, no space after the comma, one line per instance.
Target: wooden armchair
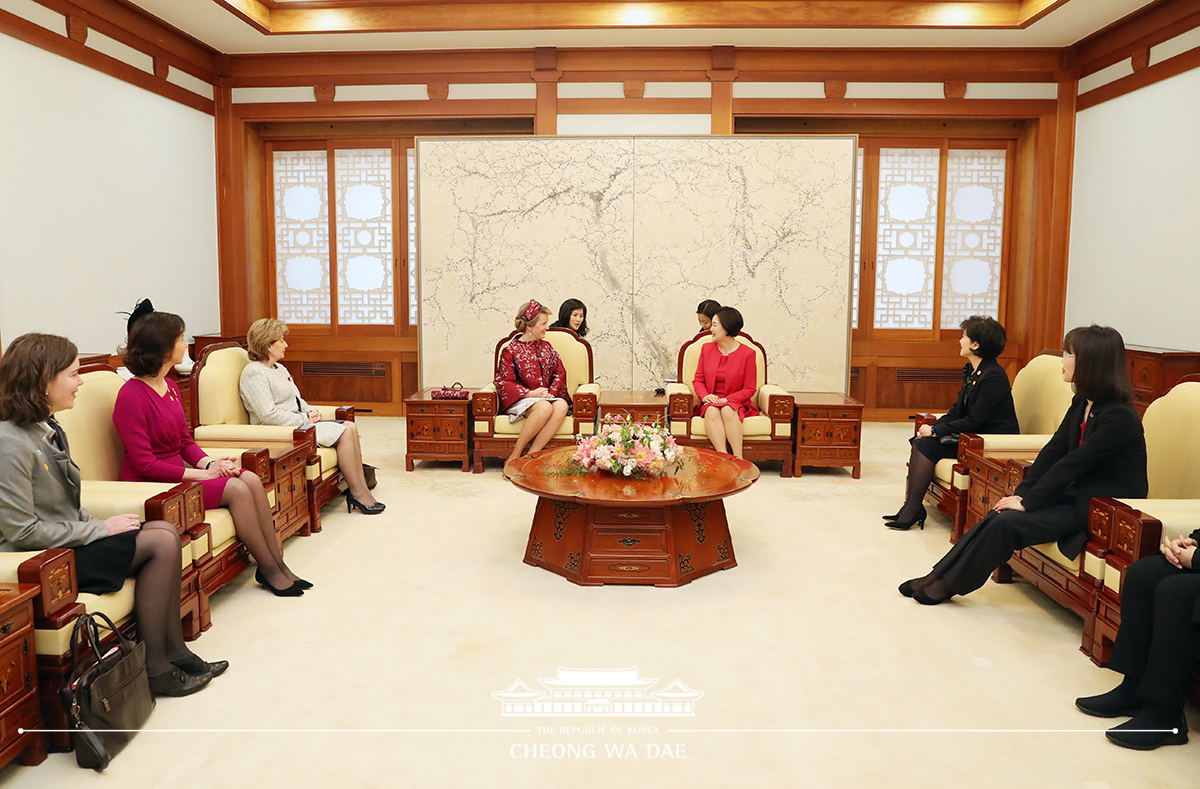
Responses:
[222,423]
[1134,527]
[767,436]
[494,436]
[1040,397]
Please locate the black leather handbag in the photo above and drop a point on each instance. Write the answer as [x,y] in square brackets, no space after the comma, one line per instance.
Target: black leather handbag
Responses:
[107,696]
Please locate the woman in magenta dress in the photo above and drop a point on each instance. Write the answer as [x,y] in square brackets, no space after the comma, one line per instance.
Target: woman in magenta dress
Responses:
[149,418]
[531,381]
[726,380]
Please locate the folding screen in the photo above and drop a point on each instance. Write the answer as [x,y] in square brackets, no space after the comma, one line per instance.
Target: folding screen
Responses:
[641,229]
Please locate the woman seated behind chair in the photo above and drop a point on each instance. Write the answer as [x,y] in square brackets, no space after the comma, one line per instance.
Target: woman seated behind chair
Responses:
[572,315]
[532,382]
[705,311]
[984,405]
[726,380]
[159,448]
[1155,649]
[271,398]
[1098,450]
[39,509]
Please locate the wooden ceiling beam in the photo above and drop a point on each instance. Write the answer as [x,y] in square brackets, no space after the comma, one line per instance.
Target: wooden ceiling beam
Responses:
[1151,25]
[617,14]
[145,33]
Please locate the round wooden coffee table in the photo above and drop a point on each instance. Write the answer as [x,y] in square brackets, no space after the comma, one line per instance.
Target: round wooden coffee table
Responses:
[599,528]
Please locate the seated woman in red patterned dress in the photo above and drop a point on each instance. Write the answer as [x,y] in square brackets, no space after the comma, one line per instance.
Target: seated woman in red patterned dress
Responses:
[726,379]
[159,448]
[532,382]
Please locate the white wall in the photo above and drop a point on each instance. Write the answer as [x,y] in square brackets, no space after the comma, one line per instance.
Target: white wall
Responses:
[1135,251]
[108,194]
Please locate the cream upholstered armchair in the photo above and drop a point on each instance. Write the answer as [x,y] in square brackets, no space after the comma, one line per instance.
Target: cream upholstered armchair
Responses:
[493,434]
[222,423]
[97,450]
[1132,528]
[767,436]
[1040,397]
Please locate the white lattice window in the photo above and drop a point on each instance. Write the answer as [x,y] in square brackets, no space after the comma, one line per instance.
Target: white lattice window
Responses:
[974,235]
[856,261]
[412,237]
[906,238]
[302,292]
[366,287]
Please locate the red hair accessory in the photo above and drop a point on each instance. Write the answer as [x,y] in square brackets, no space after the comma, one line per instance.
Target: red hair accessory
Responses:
[532,309]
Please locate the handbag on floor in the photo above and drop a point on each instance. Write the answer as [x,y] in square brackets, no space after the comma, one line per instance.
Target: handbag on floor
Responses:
[107,696]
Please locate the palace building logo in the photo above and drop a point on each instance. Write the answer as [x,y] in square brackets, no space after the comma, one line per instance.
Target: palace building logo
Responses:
[597,692]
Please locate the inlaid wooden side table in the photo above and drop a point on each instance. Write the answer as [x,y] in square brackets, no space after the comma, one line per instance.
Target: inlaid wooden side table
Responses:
[636,406]
[20,708]
[438,429]
[827,431]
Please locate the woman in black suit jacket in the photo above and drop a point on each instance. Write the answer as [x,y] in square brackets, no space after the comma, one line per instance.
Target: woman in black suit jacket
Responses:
[1156,648]
[984,405]
[40,509]
[1098,450]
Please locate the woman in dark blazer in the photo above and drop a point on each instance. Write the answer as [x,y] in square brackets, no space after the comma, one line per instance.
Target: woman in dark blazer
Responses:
[40,509]
[1156,648]
[1098,450]
[984,405]
[725,381]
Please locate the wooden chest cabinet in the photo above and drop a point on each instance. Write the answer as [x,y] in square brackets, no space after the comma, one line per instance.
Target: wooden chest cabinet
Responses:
[438,429]
[20,710]
[827,431]
[1155,370]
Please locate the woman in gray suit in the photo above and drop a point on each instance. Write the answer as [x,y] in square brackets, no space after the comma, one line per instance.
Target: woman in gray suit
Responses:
[40,509]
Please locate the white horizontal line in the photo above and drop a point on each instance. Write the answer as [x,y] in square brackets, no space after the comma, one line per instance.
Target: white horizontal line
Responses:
[911,731]
[297,731]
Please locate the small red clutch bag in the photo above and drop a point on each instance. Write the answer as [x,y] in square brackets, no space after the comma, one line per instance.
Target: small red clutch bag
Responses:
[453,392]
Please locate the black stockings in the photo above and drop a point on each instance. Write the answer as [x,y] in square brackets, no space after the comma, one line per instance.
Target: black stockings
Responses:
[156,564]
[247,503]
[920,474]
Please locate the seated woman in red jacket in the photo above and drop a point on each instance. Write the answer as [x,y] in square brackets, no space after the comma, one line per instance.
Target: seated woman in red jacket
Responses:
[531,381]
[149,418]
[726,379]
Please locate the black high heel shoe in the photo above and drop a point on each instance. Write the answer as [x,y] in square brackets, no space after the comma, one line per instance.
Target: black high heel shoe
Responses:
[198,666]
[262,579]
[900,525]
[365,509]
[892,517]
[295,590]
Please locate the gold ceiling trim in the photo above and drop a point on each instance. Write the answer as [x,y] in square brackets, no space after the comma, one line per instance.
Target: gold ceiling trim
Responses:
[284,17]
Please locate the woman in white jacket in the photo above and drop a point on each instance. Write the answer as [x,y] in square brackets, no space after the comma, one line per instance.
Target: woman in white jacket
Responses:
[271,398]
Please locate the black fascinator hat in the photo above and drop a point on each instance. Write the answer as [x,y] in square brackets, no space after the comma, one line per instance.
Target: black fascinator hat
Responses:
[143,307]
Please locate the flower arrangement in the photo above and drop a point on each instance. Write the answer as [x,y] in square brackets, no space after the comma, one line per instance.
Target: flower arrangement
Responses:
[631,449]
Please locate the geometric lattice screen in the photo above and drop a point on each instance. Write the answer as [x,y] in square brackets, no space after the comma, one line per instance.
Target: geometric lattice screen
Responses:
[856,261]
[906,232]
[974,235]
[302,236]
[366,289]
[412,236]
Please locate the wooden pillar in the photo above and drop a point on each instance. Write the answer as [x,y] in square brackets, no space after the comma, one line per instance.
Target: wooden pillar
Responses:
[1060,209]
[722,108]
[233,265]
[546,74]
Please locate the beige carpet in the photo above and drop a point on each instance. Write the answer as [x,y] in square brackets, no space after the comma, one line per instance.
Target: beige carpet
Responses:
[815,671]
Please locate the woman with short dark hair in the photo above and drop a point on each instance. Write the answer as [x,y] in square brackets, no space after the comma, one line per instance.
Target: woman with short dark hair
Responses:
[39,509]
[726,380]
[149,418]
[1098,450]
[705,311]
[984,405]
[572,314]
